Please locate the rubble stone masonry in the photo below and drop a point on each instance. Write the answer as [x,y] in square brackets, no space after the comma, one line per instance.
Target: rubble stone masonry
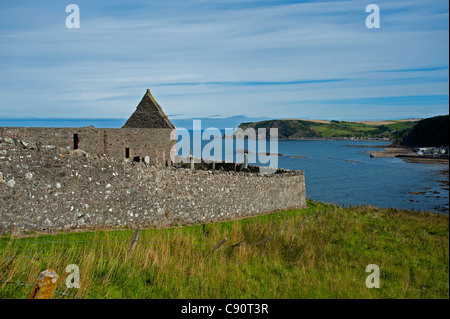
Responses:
[140,142]
[55,187]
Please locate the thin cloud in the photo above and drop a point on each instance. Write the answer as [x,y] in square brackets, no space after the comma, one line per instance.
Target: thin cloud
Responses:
[391,100]
[415,70]
[248,83]
[202,57]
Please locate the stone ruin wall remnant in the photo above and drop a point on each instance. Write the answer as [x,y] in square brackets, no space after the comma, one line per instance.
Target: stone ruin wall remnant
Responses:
[140,142]
[55,188]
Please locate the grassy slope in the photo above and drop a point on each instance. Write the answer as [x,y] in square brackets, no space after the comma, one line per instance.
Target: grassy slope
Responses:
[302,128]
[315,256]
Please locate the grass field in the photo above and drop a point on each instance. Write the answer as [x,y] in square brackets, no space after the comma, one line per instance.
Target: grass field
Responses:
[319,252]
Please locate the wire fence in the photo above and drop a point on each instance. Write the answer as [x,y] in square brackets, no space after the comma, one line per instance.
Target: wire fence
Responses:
[177,243]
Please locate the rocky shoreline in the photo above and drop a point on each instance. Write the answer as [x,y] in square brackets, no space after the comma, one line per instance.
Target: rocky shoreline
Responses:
[441,177]
[409,155]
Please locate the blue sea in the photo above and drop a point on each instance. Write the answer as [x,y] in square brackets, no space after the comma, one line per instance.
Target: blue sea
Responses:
[341,172]
[335,171]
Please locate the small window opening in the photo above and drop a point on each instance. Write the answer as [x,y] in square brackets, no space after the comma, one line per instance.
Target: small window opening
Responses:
[127,152]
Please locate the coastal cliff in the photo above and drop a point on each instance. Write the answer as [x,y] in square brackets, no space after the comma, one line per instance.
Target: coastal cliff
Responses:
[433,131]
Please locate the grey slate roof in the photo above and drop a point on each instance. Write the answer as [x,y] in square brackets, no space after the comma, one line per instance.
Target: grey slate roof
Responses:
[148,114]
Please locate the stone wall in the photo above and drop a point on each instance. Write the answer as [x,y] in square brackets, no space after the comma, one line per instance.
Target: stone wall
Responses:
[55,188]
[152,142]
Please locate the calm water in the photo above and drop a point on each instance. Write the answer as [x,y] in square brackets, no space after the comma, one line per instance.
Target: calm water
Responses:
[59,122]
[342,174]
[336,172]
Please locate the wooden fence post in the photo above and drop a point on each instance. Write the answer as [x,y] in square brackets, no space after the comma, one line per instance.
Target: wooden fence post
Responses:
[219,244]
[134,242]
[191,161]
[237,245]
[245,160]
[45,285]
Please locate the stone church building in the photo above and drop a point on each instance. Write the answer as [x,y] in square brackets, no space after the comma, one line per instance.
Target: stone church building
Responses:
[145,135]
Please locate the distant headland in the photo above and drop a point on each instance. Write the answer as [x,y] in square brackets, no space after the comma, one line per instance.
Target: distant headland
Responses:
[293,129]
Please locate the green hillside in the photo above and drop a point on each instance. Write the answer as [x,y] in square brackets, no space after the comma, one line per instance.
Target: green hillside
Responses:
[295,129]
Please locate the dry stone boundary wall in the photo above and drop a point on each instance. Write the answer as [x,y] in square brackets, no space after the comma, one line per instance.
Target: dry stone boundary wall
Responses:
[52,188]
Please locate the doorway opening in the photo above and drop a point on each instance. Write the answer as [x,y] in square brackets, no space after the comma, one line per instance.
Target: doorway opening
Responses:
[127,152]
[76,141]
